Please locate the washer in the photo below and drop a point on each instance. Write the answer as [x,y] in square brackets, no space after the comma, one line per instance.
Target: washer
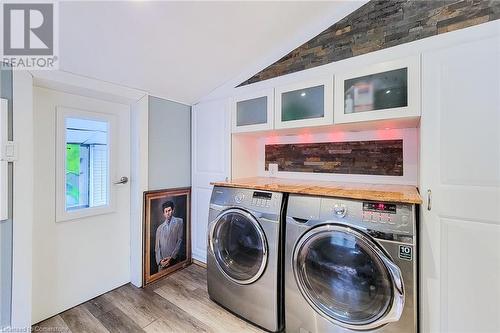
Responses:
[243,255]
[350,266]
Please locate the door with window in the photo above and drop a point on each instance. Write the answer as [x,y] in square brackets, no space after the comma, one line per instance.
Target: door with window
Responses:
[82,224]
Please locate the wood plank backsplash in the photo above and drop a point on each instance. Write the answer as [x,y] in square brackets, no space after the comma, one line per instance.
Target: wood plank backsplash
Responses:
[380,157]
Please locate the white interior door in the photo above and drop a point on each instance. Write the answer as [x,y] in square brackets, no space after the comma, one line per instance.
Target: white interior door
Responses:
[211,160]
[81,233]
[460,165]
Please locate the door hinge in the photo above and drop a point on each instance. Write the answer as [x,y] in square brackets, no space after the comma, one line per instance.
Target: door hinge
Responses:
[9,152]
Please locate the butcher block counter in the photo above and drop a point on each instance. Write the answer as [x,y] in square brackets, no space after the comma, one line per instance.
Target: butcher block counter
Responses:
[375,192]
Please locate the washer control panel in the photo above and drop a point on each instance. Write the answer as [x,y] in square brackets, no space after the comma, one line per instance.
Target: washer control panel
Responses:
[385,213]
[373,215]
[379,212]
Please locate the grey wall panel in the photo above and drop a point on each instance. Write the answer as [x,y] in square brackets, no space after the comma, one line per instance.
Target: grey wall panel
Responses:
[169,151]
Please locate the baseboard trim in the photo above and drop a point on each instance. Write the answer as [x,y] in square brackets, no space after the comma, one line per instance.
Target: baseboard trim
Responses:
[199,263]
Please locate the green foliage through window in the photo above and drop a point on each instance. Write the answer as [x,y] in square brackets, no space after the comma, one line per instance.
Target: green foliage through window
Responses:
[72,172]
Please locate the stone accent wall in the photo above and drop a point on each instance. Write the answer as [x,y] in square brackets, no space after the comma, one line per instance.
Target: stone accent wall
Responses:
[381,157]
[381,24]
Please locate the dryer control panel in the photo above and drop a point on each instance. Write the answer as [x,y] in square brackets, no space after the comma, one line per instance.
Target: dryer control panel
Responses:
[261,199]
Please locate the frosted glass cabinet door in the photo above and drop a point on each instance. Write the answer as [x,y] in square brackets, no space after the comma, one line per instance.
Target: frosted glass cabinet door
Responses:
[304,104]
[253,111]
[381,91]
[378,91]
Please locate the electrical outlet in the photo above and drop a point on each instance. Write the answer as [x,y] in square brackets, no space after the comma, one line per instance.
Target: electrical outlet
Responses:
[273,169]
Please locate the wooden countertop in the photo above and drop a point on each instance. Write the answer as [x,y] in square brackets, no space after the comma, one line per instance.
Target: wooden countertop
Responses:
[376,192]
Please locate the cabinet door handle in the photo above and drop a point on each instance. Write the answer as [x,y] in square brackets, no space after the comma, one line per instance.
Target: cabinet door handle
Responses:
[429,199]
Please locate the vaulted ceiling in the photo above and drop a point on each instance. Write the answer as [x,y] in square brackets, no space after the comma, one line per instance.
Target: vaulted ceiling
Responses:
[184,50]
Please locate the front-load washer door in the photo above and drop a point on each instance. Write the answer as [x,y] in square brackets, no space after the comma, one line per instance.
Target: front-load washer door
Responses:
[346,278]
[239,246]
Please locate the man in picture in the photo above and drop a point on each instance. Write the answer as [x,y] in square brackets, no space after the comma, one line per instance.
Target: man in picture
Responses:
[168,237]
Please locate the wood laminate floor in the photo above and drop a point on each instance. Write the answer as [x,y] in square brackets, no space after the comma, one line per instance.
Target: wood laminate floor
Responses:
[177,303]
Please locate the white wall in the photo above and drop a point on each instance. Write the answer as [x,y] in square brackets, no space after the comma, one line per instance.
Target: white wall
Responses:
[23,200]
[138,184]
[73,261]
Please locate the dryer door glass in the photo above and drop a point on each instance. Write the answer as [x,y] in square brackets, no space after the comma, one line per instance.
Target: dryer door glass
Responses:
[239,246]
[341,276]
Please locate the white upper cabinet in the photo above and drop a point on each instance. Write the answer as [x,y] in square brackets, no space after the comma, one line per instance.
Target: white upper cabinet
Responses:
[253,111]
[304,104]
[377,92]
[358,91]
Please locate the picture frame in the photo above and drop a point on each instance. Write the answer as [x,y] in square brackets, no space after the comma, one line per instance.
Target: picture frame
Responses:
[167,232]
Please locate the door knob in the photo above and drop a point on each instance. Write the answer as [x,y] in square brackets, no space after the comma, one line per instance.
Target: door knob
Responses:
[123,180]
[429,199]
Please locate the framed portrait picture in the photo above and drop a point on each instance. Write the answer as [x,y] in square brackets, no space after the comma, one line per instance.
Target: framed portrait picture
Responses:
[167,232]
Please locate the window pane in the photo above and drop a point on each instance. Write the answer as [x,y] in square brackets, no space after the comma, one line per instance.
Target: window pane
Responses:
[303,104]
[87,174]
[251,112]
[377,91]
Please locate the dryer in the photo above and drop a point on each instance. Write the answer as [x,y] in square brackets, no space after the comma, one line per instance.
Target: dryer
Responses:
[350,266]
[243,255]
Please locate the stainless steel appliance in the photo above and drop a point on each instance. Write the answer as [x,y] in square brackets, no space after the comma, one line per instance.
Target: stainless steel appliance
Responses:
[243,254]
[350,266]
